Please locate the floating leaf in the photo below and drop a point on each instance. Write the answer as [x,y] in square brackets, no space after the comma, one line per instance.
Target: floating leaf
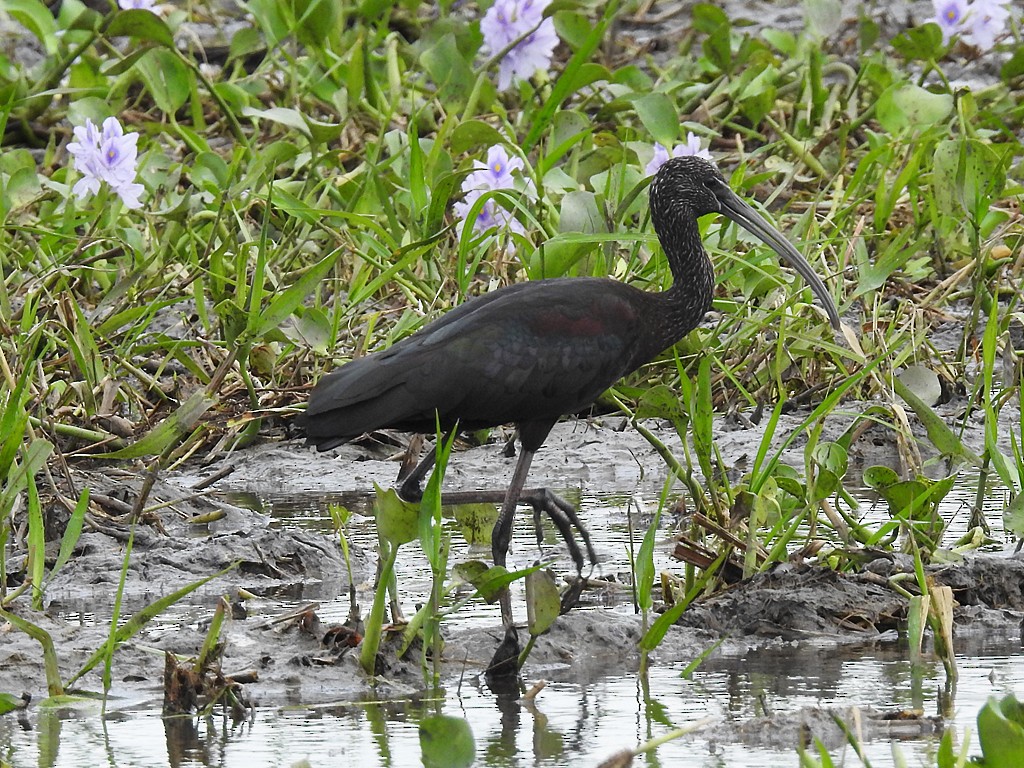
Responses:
[446,742]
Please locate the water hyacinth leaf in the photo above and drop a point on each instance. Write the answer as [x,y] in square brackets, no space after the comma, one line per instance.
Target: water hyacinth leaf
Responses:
[658,114]
[572,27]
[1014,67]
[661,402]
[489,581]
[543,603]
[21,188]
[171,429]
[905,105]
[37,19]
[141,25]
[1013,516]
[717,47]
[823,17]
[476,521]
[832,457]
[470,135]
[923,382]
[922,43]
[1001,732]
[289,118]
[446,742]
[452,74]
[397,520]
[312,328]
[969,174]
[167,79]
[244,42]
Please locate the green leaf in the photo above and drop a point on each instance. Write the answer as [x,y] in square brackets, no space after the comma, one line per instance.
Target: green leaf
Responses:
[658,114]
[474,134]
[71,532]
[905,105]
[1013,516]
[10,702]
[37,19]
[968,176]
[447,67]
[397,520]
[939,433]
[1001,733]
[289,300]
[166,77]
[569,79]
[543,603]
[446,742]
[476,521]
[489,581]
[141,25]
[923,42]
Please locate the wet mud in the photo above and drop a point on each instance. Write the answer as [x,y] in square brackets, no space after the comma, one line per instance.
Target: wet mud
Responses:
[292,658]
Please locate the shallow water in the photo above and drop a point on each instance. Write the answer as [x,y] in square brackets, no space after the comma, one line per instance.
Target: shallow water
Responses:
[574,722]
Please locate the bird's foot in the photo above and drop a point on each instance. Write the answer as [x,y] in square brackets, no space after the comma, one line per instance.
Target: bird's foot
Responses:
[566,520]
[502,673]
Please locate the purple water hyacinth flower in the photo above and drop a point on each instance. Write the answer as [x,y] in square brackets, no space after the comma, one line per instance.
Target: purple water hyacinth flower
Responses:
[131,5]
[986,20]
[507,21]
[691,147]
[949,15]
[496,173]
[107,156]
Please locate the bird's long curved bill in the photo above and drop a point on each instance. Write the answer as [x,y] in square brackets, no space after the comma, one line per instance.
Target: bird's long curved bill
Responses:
[755,224]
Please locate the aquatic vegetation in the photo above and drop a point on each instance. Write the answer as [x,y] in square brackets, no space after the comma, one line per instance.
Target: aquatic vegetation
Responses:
[330,177]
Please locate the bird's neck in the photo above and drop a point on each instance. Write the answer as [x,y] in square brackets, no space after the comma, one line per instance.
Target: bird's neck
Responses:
[689,298]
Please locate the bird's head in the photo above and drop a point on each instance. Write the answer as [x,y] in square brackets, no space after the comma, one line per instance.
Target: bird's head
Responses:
[688,187]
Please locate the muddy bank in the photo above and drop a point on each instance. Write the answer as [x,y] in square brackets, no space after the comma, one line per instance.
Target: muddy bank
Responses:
[281,568]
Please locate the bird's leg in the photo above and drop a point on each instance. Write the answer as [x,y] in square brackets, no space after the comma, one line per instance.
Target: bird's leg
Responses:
[505,662]
[410,487]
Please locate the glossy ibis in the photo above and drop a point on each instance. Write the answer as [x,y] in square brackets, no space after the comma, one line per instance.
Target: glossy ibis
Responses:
[529,353]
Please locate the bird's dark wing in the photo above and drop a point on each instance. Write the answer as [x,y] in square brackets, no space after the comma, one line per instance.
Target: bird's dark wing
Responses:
[530,351]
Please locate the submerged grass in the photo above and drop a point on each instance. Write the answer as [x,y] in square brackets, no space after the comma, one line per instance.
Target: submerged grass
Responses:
[297,212]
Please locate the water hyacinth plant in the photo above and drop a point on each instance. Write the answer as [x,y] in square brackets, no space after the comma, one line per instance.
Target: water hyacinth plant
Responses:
[107,157]
[340,174]
[979,22]
[521,22]
[495,174]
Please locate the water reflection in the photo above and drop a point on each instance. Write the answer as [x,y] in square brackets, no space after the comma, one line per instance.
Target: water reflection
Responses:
[577,723]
